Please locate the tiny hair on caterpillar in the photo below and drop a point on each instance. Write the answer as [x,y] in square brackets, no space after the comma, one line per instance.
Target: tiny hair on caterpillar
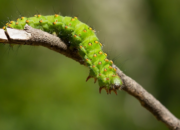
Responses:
[77,34]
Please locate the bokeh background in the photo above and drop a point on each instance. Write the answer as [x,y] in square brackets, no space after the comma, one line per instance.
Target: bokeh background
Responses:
[43,90]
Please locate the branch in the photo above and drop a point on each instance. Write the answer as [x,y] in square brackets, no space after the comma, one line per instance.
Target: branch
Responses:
[35,37]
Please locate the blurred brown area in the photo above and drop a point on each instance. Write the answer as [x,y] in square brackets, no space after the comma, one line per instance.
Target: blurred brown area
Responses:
[43,90]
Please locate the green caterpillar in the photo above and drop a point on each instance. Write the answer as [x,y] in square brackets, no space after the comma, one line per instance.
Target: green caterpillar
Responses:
[82,37]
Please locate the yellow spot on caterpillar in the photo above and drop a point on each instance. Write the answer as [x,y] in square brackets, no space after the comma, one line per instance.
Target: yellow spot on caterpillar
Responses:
[41,21]
[69,24]
[84,30]
[75,17]
[94,55]
[107,78]
[105,69]
[87,59]
[27,21]
[99,74]
[54,23]
[80,47]
[17,23]
[99,63]
[66,27]
[100,44]
[39,15]
[100,52]
[110,67]
[7,24]
[106,60]
[11,22]
[114,69]
[72,19]
[75,35]
[79,34]
[22,18]
[56,15]
[105,54]
[4,28]
[93,66]
[113,75]
[96,41]
[35,15]
[90,28]
[56,20]
[89,44]
[111,61]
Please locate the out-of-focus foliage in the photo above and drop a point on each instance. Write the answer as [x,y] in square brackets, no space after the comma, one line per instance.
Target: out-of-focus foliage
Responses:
[43,90]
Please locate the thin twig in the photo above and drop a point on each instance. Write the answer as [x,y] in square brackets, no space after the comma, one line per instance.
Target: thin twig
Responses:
[35,37]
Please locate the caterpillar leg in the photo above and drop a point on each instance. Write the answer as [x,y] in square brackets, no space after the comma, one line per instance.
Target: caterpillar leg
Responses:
[95,79]
[88,78]
[100,89]
[113,91]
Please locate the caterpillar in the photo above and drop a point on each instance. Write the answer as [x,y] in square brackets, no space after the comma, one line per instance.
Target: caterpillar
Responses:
[82,37]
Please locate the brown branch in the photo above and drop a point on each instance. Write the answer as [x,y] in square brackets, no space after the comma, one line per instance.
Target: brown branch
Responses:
[35,37]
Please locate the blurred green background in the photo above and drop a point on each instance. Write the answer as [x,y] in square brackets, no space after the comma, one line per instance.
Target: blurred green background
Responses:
[43,90]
